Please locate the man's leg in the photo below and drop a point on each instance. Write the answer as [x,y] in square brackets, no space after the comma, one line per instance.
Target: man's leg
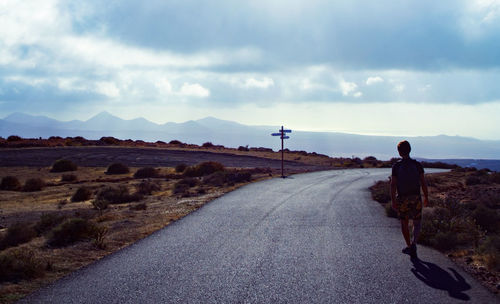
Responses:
[417,225]
[406,231]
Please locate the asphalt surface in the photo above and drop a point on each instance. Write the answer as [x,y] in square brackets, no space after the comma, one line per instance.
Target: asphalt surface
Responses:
[310,238]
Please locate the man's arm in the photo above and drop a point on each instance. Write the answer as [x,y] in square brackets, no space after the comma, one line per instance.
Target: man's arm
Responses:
[423,184]
[394,187]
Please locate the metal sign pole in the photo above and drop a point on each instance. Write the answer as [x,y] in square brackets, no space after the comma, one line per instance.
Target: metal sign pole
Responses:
[281,134]
[282,152]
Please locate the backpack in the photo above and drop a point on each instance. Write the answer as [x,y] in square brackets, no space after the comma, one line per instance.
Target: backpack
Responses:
[408,177]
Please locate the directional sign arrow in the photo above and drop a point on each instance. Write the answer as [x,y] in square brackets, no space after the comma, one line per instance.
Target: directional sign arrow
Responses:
[276,134]
[287,131]
[285,137]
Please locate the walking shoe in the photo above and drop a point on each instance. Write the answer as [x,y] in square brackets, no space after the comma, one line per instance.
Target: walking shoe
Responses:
[406,250]
[413,250]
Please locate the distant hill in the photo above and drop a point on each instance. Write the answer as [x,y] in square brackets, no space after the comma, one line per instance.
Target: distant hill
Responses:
[232,134]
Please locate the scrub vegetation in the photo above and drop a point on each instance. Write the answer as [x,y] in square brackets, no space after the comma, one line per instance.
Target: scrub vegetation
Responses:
[462,219]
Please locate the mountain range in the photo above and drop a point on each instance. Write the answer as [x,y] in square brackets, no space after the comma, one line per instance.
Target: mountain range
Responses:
[232,134]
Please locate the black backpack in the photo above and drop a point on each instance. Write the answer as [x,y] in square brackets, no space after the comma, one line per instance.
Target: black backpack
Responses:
[408,177]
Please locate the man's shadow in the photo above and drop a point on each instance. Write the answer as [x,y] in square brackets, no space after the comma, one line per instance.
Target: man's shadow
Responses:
[438,278]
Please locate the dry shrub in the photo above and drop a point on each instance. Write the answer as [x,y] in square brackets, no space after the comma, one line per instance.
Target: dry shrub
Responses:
[71,231]
[381,192]
[389,211]
[495,177]
[63,165]
[109,140]
[472,180]
[100,204]
[118,195]
[490,249]
[487,218]
[82,194]
[204,168]
[10,183]
[220,178]
[47,222]
[117,168]
[180,168]
[14,138]
[99,235]
[139,206]
[147,172]
[147,187]
[18,233]
[182,186]
[33,184]
[69,178]
[207,144]
[19,264]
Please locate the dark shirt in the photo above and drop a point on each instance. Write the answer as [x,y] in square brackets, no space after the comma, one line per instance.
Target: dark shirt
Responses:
[407,171]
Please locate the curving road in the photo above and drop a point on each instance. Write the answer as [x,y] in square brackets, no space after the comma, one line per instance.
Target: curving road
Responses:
[310,238]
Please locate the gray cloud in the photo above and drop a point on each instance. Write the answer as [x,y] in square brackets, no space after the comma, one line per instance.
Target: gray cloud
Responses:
[355,34]
[225,53]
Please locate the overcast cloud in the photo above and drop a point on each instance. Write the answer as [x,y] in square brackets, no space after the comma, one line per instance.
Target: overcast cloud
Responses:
[128,56]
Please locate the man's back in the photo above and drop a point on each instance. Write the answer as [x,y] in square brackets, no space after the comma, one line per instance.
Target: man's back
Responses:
[407,171]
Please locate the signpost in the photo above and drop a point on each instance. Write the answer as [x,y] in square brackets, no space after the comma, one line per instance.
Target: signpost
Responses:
[282,135]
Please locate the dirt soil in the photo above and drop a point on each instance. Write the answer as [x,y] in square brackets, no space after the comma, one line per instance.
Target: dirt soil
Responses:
[142,157]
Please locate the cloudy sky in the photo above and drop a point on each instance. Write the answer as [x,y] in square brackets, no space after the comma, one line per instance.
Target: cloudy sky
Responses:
[372,67]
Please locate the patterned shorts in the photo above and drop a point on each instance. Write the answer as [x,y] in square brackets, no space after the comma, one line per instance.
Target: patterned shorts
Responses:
[410,207]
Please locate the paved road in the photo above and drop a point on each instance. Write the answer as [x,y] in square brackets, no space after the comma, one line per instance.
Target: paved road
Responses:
[310,238]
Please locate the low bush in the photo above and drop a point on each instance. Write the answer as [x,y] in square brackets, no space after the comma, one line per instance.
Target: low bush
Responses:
[18,233]
[19,264]
[33,184]
[118,195]
[100,204]
[220,178]
[207,144]
[47,222]
[243,148]
[389,211]
[109,140]
[14,138]
[487,218]
[184,184]
[204,168]
[147,172]
[216,179]
[445,241]
[139,206]
[10,183]
[117,168]
[472,180]
[180,168]
[63,165]
[381,192]
[71,231]
[175,142]
[147,187]
[69,178]
[490,249]
[495,177]
[82,194]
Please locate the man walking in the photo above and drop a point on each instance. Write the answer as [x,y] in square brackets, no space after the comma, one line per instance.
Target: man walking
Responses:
[407,179]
